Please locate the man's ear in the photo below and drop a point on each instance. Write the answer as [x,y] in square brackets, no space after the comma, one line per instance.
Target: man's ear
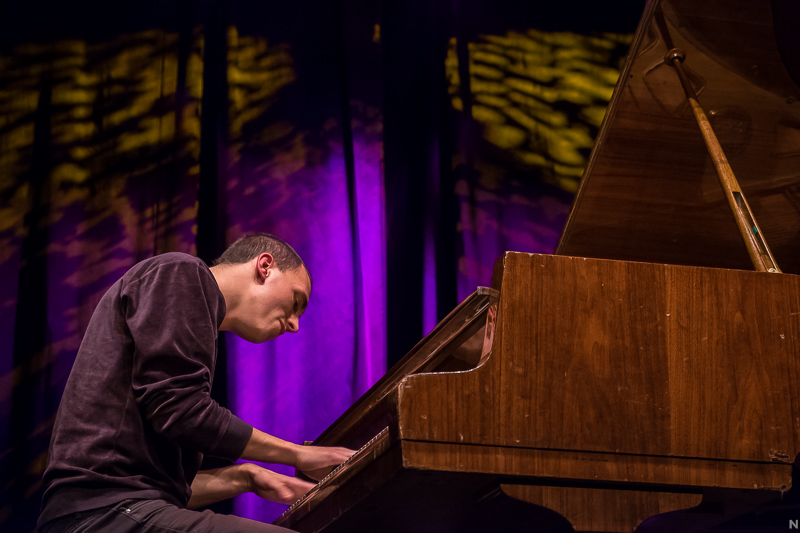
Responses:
[264,264]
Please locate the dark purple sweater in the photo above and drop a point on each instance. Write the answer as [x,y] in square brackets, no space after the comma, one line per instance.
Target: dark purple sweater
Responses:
[136,417]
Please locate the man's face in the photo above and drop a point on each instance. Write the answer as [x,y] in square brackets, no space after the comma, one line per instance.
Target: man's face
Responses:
[275,305]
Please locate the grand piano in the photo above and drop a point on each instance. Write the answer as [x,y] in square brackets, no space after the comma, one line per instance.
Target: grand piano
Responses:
[645,376]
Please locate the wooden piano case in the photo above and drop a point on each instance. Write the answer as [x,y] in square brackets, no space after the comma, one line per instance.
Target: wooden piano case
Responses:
[640,370]
[634,384]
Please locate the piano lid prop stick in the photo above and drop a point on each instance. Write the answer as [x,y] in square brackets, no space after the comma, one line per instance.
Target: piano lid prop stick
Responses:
[757,248]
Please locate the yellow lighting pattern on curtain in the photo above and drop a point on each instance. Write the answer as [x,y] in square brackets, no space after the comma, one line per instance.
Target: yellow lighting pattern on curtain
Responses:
[257,71]
[112,117]
[541,96]
[263,149]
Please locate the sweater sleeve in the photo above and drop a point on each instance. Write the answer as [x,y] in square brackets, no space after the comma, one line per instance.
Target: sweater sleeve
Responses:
[173,312]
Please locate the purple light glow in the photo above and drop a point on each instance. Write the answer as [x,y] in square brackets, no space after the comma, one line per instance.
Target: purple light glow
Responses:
[297,385]
[496,223]
[429,307]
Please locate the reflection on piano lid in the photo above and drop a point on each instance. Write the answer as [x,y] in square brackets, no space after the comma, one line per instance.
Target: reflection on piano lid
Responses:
[458,343]
[650,192]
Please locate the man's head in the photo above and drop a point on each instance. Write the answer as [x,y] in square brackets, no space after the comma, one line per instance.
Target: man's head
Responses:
[266,287]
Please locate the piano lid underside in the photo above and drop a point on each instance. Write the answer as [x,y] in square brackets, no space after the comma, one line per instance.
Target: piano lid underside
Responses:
[650,192]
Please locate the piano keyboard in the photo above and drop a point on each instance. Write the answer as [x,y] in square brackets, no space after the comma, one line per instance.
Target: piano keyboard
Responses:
[372,449]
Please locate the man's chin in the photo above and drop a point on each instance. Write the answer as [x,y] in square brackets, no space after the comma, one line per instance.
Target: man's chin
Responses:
[266,338]
[259,337]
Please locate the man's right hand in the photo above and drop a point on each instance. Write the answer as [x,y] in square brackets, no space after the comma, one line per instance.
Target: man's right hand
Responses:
[317,462]
[313,461]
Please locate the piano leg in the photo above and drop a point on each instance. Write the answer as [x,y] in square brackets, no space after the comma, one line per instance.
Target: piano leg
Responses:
[731,511]
[498,511]
[594,510]
[606,510]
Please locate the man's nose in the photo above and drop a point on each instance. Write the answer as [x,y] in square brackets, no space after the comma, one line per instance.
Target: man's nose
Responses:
[293,324]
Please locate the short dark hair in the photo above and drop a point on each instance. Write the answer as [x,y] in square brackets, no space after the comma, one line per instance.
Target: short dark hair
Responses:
[251,245]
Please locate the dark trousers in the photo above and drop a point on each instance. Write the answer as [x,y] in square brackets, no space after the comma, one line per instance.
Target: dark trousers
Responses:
[154,516]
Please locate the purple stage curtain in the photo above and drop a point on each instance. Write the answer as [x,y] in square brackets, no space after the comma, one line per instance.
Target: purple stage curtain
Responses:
[400,147]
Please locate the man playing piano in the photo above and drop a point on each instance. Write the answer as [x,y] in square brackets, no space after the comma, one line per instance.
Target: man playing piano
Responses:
[137,417]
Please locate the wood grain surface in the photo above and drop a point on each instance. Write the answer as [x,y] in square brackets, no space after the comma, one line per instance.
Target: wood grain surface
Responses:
[631,359]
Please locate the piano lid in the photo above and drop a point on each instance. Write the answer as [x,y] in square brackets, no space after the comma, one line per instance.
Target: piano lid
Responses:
[650,192]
